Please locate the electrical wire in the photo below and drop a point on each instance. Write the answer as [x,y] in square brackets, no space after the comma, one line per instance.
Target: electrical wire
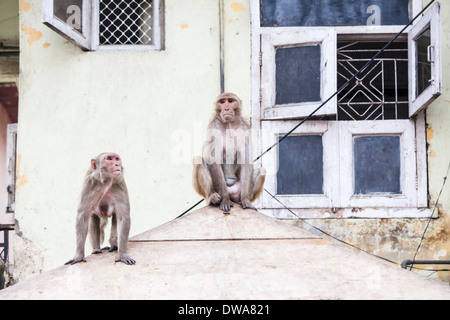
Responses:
[309,116]
[431,216]
[328,234]
[334,94]
[346,83]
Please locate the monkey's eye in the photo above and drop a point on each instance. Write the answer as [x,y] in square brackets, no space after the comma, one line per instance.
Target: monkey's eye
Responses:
[230,100]
[109,158]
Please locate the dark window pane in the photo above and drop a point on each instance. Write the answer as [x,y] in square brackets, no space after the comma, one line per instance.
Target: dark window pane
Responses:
[423,65]
[70,12]
[300,165]
[333,12]
[377,164]
[298,74]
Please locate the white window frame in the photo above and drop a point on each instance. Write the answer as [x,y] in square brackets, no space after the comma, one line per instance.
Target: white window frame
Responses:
[413,202]
[89,40]
[272,130]
[430,20]
[270,42]
[61,27]
[339,200]
[405,130]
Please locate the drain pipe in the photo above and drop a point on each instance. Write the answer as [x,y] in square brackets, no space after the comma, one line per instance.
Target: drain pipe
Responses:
[221,32]
[405,263]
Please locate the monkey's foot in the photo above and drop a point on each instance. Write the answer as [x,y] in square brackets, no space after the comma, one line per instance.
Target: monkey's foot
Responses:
[75,260]
[126,260]
[226,205]
[113,248]
[247,205]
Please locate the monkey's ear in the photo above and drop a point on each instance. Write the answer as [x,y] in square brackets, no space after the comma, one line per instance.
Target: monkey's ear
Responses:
[93,164]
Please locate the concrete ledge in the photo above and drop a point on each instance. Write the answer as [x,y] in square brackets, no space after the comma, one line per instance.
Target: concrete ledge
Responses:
[175,262]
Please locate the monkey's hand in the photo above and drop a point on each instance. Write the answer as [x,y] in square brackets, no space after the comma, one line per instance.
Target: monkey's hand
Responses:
[126,260]
[75,260]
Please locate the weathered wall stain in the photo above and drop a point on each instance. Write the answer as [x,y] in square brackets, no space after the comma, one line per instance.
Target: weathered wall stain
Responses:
[24,6]
[21,178]
[33,34]
[237,7]
[393,239]
[430,133]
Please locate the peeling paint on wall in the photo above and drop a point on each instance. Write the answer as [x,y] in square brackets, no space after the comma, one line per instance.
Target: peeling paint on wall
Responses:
[46,45]
[33,34]
[440,254]
[430,133]
[184,26]
[21,179]
[237,7]
[24,6]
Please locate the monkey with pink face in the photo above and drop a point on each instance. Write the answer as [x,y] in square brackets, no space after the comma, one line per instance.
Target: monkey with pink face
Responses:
[104,195]
[224,173]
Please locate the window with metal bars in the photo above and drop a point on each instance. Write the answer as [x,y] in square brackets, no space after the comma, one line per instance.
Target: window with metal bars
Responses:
[380,92]
[336,163]
[125,22]
[108,24]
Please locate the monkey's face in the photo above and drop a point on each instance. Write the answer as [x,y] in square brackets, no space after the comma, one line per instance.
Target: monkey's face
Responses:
[227,108]
[113,164]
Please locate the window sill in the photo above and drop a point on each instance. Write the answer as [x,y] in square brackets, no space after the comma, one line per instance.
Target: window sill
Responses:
[349,213]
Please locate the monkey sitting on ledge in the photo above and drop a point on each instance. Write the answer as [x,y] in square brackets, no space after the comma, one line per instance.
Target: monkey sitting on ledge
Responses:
[225,173]
[104,195]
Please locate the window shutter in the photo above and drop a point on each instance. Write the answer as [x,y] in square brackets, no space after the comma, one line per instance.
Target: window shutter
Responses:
[424,44]
[71,19]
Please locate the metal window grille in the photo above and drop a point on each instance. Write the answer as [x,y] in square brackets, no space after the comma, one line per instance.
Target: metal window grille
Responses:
[126,22]
[381,91]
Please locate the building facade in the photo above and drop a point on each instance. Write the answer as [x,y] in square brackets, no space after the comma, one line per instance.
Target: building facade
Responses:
[140,79]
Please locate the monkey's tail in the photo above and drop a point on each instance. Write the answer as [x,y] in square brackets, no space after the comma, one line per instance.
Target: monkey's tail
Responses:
[103,223]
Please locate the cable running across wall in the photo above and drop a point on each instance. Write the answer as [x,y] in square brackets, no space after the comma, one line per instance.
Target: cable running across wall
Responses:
[366,65]
[334,94]
[346,83]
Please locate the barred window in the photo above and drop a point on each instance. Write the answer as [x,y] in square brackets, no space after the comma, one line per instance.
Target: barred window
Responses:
[108,24]
[380,92]
[126,22]
[365,146]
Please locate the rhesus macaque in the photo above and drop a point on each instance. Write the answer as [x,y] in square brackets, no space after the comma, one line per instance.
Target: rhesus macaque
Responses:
[225,172]
[104,195]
